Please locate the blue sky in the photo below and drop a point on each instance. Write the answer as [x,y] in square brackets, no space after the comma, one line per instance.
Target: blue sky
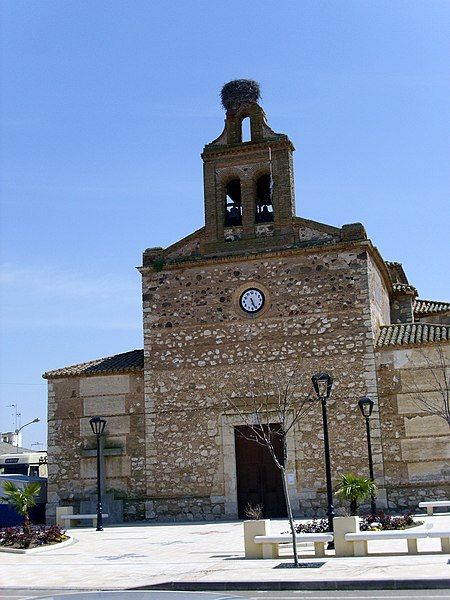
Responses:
[106,106]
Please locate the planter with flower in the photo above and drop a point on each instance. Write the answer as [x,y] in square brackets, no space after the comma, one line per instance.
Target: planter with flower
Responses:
[27,536]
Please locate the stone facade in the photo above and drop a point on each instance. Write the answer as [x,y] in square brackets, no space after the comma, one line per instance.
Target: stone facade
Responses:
[170,450]
[72,446]
[416,446]
[319,315]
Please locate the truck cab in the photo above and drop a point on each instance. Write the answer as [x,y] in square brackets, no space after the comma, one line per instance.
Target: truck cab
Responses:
[32,464]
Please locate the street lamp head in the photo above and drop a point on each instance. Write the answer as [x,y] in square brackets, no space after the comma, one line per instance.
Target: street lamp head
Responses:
[323,384]
[98,425]
[36,420]
[366,406]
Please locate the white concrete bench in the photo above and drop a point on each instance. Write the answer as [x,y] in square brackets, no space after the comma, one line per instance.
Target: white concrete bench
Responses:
[430,506]
[270,543]
[361,538]
[444,536]
[74,518]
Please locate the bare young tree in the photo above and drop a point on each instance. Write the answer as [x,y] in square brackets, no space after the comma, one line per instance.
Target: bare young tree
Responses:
[270,400]
[433,396]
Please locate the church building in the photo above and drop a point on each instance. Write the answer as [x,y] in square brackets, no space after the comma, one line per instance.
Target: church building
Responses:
[257,285]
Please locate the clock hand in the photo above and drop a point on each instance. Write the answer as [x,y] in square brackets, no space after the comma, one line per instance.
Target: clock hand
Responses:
[254,305]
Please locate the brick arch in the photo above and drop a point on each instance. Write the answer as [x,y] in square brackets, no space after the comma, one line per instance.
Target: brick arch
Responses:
[256,176]
[257,118]
[232,211]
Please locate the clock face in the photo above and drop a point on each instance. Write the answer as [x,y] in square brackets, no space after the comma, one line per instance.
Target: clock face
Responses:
[252,300]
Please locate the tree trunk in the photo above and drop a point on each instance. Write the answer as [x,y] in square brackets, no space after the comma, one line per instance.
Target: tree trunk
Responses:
[289,511]
[353,508]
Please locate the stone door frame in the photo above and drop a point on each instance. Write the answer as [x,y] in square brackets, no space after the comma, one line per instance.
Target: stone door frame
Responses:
[229,422]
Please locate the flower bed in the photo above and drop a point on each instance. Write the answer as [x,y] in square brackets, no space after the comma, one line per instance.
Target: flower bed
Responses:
[384,522]
[29,536]
[379,522]
[314,526]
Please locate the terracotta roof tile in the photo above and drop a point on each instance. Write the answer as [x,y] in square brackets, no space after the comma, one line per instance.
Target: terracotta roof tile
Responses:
[119,363]
[408,334]
[428,307]
[402,288]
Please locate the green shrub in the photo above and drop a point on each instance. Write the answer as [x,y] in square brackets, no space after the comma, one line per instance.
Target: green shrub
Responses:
[22,499]
[158,264]
[355,489]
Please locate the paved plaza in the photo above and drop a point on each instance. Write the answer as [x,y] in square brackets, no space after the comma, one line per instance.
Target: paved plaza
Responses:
[199,555]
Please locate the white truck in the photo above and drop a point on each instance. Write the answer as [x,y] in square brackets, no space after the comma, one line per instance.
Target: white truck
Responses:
[33,464]
[23,468]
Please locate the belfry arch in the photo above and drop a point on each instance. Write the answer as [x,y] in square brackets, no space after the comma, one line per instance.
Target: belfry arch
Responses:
[233,203]
[263,199]
[246,129]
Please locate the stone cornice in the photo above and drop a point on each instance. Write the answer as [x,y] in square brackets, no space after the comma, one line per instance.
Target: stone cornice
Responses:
[202,261]
[180,243]
[331,229]
[210,152]
[382,267]
[403,289]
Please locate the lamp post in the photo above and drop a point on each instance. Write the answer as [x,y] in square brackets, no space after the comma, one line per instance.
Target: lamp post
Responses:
[17,431]
[323,384]
[98,426]
[366,406]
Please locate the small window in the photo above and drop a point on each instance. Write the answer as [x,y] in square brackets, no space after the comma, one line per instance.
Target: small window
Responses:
[233,204]
[264,206]
[246,130]
[15,470]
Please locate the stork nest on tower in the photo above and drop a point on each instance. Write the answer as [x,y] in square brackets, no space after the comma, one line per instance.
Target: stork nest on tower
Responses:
[238,92]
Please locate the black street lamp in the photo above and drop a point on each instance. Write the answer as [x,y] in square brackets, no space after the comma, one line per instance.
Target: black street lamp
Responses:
[323,384]
[98,427]
[366,406]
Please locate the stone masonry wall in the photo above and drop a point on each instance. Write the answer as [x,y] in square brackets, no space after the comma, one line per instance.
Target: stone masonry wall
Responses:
[402,308]
[443,318]
[318,316]
[71,450]
[416,442]
[379,315]
[379,297]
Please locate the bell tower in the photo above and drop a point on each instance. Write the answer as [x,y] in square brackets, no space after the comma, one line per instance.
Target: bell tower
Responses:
[248,179]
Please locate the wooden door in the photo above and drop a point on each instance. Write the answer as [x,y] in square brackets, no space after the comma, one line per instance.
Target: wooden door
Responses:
[258,478]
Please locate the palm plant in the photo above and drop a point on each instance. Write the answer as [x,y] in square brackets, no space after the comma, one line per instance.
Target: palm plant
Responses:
[355,489]
[22,498]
